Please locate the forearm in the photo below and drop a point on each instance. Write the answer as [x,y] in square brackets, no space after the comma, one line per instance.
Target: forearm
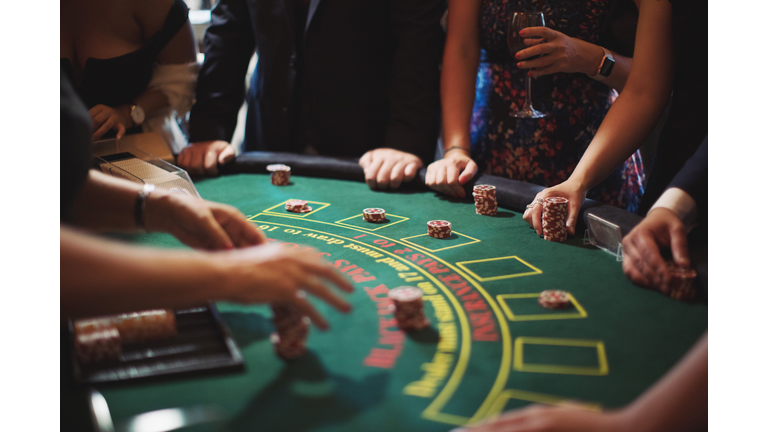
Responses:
[106,203]
[640,105]
[678,402]
[457,94]
[624,129]
[104,277]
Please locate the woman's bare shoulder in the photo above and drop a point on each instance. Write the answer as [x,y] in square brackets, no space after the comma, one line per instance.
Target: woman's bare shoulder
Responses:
[151,14]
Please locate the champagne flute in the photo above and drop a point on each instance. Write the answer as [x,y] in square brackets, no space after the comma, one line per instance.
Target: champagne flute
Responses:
[515,42]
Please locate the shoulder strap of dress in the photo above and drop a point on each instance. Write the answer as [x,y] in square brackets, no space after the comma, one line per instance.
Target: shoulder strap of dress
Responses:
[177,17]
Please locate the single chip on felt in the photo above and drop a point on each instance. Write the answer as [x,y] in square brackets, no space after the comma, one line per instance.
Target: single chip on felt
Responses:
[555,299]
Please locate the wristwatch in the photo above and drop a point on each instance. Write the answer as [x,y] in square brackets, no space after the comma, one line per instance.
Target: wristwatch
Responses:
[606,65]
[137,114]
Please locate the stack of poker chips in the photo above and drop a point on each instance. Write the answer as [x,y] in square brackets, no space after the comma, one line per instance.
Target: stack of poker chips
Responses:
[98,345]
[553,219]
[297,206]
[134,327]
[281,174]
[374,215]
[439,229]
[485,200]
[290,340]
[682,282]
[409,308]
[555,299]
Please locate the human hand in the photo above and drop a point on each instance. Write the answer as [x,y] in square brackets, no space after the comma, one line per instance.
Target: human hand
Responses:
[643,263]
[538,418]
[559,53]
[267,274]
[199,223]
[386,167]
[107,118]
[204,157]
[572,192]
[450,173]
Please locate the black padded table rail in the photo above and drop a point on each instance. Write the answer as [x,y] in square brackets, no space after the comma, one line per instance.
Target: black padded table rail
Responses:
[511,194]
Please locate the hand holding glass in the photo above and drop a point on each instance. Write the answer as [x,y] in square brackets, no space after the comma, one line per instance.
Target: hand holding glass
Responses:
[515,42]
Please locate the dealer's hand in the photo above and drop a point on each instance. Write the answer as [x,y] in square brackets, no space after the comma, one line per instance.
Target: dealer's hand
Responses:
[572,192]
[388,168]
[643,263]
[559,53]
[538,418]
[266,274]
[199,223]
[106,118]
[450,173]
[204,157]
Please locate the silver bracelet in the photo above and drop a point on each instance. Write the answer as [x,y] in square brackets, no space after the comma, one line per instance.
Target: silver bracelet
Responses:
[140,208]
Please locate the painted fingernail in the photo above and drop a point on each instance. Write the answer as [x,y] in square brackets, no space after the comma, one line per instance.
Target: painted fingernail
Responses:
[519,64]
[522,32]
[229,247]
[517,56]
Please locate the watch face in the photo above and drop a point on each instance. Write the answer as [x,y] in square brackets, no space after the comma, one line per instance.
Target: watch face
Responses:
[607,67]
[137,114]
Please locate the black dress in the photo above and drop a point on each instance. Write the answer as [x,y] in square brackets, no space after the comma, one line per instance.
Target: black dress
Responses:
[120,80]
[686,126]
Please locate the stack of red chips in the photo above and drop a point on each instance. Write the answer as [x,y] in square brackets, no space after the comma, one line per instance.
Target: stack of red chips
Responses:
[553,219]
[375,215]
[682,283]
[297,206]
[98,345]
[409,308]
[485,200]
[439,229]
[555,299]
[281,174]
[134,327]
[290,341]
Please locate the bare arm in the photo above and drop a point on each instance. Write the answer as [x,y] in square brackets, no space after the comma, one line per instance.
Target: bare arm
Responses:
[638,108]
[101,277]
[678,402]
[108,203]
[461,58]
[181,49]
[460,61]
[630,119]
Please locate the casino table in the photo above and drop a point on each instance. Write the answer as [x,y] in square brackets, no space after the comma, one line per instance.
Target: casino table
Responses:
[489,347]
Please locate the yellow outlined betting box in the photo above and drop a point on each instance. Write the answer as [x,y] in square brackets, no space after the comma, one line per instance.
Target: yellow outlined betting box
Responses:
[520,365]
[463,265]
[472,240]
[401,219]
[286,213]
[502,299]
[501,401]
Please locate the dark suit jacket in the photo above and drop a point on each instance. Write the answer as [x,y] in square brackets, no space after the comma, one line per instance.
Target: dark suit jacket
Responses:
[692,178]
[370,74]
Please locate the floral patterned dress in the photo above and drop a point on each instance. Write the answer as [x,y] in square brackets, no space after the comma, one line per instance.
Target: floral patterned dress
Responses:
[544,151]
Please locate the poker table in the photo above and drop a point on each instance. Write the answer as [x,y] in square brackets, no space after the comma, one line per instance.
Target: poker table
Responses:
[489,348]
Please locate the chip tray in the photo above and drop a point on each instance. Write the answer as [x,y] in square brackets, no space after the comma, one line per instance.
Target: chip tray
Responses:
[203,343]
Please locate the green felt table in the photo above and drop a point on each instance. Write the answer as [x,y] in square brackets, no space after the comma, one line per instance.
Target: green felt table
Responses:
[490,346]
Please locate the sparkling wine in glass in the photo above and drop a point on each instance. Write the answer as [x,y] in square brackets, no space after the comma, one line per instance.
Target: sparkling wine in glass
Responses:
[515,42]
